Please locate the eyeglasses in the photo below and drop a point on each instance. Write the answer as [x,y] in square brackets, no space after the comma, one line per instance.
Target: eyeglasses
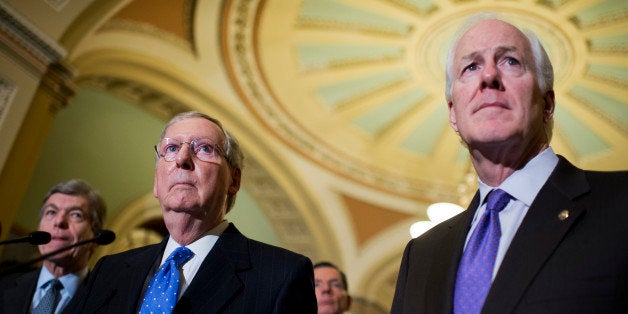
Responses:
[202,148]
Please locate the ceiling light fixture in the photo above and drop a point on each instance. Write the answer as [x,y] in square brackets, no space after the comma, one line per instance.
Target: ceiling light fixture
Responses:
[437,212]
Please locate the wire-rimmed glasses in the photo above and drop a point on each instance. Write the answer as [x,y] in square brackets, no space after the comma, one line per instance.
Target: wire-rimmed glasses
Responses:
[203,148]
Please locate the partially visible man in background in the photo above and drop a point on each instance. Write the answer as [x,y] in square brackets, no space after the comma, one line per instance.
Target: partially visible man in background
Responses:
[332,291]
[71,212]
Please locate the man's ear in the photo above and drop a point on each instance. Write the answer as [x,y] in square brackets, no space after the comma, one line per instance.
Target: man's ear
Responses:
[155,187]
[452,116]
[550,105]
[236,177]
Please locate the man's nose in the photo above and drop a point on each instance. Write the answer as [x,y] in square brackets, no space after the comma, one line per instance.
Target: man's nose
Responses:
[326,287]
[491,77]
[184,157]
[61,220]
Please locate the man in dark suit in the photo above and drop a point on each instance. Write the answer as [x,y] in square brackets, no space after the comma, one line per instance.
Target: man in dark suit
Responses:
[214,268]
[552,238]
[71,212]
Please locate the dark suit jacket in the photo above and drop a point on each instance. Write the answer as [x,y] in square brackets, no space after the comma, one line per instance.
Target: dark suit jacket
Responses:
[17,290]
[239,275]
[575,265]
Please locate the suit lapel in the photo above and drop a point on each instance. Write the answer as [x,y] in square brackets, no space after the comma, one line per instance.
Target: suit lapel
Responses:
[135,269]
[18,298]
[445,261]
[217,280]
[540,233]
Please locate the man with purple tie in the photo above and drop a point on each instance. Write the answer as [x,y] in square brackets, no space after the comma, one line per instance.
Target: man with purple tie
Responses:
[541,235]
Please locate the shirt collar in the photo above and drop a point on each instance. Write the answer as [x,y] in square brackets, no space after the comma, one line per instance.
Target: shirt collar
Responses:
[70,281]
[200,247]
[525,183]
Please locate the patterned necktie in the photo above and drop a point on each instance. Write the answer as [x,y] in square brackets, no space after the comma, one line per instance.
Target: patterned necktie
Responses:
[51,299]
[163,290]
[475,271]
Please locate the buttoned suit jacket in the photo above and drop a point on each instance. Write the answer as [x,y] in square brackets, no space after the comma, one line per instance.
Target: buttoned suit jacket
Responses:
[17,290]
[239,275]
[569,255]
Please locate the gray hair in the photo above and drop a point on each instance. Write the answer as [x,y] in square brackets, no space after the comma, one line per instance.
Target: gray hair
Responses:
[78,187]
[544,71]
[230,146]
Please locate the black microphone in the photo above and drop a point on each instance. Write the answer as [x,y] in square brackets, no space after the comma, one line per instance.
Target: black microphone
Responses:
[35,238]
[103,237]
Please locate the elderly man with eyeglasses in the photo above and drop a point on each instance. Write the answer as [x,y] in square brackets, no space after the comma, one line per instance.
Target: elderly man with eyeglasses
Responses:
[204,265]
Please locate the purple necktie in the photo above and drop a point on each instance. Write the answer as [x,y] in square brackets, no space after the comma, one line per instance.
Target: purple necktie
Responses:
[475,271]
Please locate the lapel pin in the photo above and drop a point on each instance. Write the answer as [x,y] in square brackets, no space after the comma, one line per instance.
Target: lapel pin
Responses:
[564,214]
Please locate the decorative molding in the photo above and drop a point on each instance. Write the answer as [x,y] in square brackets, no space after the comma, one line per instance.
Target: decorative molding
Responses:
[292,230]
[159,104]
[145,28]
[7,92]
[57,83]
[241,52]
[26,41]
[57,5]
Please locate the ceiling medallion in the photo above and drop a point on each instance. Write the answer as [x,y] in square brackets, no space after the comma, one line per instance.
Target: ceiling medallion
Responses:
[358,87]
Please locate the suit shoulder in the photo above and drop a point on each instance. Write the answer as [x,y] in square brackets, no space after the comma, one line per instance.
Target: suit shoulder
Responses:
[233,240]
[114,259]
[12,279]
[607,177]
[278,252]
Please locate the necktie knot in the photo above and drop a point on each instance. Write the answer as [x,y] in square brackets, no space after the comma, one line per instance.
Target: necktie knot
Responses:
[54,284]
[180,256]
[497,200]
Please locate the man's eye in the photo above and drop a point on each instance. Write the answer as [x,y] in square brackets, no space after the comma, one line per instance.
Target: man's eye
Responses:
[50,212]
[512,61]
[171,148]
[76,215]
[471,67]
[205,148]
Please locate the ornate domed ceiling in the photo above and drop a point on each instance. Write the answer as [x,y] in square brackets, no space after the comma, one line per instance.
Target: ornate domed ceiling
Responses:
[358,86]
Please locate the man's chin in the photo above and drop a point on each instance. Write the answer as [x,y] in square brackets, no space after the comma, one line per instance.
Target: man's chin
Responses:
[326,309]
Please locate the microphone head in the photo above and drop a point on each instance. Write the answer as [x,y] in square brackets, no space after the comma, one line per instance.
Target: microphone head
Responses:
[38,237]
[105,237]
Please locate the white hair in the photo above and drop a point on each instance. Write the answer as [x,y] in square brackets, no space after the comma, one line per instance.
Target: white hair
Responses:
[542,64]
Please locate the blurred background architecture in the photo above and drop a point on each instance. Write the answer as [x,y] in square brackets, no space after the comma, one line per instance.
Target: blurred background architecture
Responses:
[339,105]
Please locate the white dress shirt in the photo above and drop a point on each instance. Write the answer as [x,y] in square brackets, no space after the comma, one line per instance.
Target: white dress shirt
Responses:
[200,248]
[523,185]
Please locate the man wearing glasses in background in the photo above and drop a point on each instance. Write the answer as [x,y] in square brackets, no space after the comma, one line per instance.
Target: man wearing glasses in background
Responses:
[205,265]
[331,289]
